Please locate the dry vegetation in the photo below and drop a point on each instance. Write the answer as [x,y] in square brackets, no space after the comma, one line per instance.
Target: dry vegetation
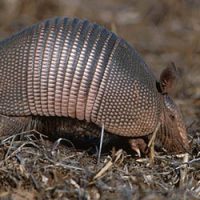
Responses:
[163,31]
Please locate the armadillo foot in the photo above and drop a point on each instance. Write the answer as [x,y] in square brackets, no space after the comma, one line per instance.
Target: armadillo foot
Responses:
[12,125]
[138,145]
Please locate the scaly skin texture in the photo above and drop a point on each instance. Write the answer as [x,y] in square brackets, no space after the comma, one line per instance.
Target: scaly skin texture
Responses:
[75,69]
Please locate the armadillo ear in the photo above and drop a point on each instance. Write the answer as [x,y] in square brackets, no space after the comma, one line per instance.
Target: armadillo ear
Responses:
[168,78]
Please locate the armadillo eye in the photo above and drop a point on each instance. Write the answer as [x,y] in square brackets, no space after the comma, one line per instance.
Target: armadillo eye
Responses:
[172,117]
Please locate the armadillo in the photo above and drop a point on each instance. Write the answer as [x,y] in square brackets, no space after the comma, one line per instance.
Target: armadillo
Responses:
[73,69]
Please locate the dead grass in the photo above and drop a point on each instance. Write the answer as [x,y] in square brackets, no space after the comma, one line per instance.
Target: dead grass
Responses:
[34,168]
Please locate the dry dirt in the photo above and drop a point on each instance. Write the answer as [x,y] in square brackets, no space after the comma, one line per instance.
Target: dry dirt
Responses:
[163,31]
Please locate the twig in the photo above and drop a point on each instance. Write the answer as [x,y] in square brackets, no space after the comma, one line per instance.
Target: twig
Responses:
[101,143]
[152,143]
[184,170]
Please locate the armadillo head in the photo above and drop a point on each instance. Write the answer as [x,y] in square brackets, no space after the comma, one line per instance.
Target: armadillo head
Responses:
[172,133]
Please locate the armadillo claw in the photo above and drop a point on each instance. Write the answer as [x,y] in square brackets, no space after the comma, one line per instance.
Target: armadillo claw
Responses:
[138,145]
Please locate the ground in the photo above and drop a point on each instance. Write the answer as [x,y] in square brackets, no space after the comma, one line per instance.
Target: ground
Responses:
[162,31]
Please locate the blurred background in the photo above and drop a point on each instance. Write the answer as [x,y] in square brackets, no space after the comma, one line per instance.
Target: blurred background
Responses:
[163,31]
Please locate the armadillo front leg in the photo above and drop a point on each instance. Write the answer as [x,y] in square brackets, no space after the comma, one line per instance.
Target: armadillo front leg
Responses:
[12,125]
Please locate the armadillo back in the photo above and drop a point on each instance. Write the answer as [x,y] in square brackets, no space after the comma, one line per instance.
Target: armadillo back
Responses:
[70,67]
[48,69]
